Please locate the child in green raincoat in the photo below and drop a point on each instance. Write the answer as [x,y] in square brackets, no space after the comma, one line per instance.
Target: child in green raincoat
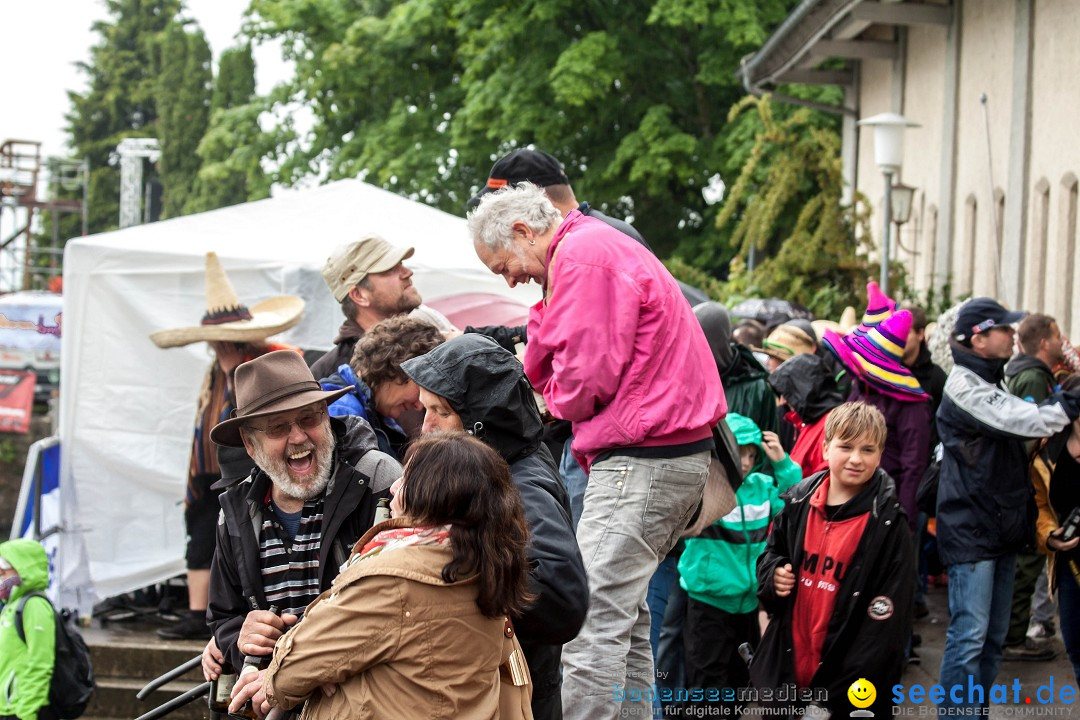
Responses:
[718,568]
[25,667]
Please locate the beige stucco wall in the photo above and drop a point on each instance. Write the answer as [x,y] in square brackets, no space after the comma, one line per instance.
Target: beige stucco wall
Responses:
[875,93]
[1055,152]
[986,62]
[1048,274]
[923,104]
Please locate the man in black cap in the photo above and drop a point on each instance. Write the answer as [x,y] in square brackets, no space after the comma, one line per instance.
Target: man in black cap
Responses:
[544,171]
[985,502]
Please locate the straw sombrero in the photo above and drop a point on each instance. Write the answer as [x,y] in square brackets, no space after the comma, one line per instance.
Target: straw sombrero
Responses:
[785,342]
[874,356]
[227,319]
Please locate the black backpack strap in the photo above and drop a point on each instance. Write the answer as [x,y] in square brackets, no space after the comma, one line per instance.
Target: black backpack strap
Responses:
[19,611]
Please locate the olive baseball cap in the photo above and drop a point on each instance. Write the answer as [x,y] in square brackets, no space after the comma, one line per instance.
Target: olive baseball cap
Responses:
[351,263]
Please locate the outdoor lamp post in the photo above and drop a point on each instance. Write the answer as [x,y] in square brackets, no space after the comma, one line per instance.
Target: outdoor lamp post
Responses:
[902,197]
[889,156]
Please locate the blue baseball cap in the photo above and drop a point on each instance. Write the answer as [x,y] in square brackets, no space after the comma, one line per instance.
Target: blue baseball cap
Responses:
[981,315]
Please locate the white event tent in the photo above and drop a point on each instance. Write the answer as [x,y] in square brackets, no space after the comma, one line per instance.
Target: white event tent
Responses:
[127,407]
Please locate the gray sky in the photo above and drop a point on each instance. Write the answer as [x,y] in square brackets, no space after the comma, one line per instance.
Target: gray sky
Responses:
[43,39]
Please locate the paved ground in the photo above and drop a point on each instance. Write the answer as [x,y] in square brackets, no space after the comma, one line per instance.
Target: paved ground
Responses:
[1030,674]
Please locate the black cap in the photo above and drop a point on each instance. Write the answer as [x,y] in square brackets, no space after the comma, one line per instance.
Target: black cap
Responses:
[235,466]
[524,165]
[979,315]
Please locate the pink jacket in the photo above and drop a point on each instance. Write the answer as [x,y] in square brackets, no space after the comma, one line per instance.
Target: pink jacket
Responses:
[615,348]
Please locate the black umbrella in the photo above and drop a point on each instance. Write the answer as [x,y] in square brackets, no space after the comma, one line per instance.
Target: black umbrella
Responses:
[769,310]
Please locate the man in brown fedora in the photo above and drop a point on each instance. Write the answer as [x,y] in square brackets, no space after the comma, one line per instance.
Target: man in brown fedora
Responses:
[284,531]
[235,333]
[370,280]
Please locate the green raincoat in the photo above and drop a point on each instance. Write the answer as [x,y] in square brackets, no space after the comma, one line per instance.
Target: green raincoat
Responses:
[719,566]
[26,668]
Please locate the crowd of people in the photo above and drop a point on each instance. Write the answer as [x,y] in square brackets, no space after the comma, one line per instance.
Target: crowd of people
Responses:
[626,507]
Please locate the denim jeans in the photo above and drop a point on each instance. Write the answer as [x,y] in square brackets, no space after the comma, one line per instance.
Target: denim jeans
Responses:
[980,598]
[633,512]
[575,480]
[1069,612]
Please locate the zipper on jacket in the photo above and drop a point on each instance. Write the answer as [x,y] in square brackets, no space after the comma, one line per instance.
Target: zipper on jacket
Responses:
[9,689]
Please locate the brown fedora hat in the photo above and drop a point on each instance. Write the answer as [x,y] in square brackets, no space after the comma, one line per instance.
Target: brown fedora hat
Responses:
[271,383]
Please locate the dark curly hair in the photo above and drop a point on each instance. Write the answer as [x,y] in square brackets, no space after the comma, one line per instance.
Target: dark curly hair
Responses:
[451,477]
[379,354]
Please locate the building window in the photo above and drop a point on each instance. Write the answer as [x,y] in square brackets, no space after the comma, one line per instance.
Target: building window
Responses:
[1065,257]
[995,271]
[1035,260]
[964,265]
[929,245]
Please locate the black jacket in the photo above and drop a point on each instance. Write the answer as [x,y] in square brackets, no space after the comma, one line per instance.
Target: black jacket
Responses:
[985,500]
[808,386]
[235,575]
[487,387]
[871,622]
[341,354]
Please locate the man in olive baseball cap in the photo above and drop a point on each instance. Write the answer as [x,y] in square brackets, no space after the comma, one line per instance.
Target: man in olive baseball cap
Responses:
[371,282]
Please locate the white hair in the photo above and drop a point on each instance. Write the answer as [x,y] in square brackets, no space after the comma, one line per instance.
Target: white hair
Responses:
[491,223]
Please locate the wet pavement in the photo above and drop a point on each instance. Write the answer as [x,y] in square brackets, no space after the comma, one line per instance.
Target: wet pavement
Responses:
[1032,676]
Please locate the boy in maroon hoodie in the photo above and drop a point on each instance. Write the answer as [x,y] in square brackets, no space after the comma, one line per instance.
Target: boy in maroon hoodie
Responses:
[836,573]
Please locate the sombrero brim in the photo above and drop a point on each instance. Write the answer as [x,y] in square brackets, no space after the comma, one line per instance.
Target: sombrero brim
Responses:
[774,353]
[820,326]
[884,374]
[269,317]
[227,432]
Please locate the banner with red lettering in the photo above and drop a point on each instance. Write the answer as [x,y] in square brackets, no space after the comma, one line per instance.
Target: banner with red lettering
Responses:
[16,400]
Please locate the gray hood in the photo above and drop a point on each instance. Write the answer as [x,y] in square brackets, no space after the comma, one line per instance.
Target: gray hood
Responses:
[716,324]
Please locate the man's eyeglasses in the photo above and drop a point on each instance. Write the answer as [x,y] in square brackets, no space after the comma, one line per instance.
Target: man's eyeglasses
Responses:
[307,421]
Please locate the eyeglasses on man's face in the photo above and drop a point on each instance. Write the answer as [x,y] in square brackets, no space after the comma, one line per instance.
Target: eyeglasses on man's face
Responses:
[307,420]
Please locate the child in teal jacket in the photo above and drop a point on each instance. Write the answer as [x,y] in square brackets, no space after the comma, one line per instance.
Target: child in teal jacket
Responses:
[718,568]
[25,667]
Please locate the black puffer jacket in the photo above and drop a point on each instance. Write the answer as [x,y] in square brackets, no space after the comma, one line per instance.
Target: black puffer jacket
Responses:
[486,386]
[808,386]
[236,585]
[871,620]
[985,500]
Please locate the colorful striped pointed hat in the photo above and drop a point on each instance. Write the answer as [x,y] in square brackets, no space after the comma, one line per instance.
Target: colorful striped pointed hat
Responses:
[874,356]
[879,306]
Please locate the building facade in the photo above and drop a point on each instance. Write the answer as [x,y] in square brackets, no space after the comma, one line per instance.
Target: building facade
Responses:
[995,160]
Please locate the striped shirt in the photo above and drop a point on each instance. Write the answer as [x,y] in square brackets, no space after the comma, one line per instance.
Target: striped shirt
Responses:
[290,566]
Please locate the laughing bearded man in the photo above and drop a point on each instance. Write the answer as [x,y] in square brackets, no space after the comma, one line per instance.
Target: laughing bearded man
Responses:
[284,531]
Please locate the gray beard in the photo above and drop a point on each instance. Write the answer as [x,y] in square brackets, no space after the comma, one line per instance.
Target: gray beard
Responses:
[278,469]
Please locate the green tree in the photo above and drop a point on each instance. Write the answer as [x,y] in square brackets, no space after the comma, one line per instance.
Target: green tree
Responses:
[787,204]
[420,96]
[183,106]
[119,102]
[231,151]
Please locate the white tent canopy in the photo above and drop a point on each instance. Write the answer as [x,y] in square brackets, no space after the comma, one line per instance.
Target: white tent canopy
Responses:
[127,407]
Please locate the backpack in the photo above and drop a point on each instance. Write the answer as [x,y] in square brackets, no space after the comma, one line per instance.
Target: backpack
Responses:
[73,675]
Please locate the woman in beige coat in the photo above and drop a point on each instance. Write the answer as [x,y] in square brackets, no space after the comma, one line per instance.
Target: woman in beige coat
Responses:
[414,626]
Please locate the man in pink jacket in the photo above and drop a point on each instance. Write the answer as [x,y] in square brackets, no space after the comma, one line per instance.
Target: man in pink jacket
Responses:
[615,349]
